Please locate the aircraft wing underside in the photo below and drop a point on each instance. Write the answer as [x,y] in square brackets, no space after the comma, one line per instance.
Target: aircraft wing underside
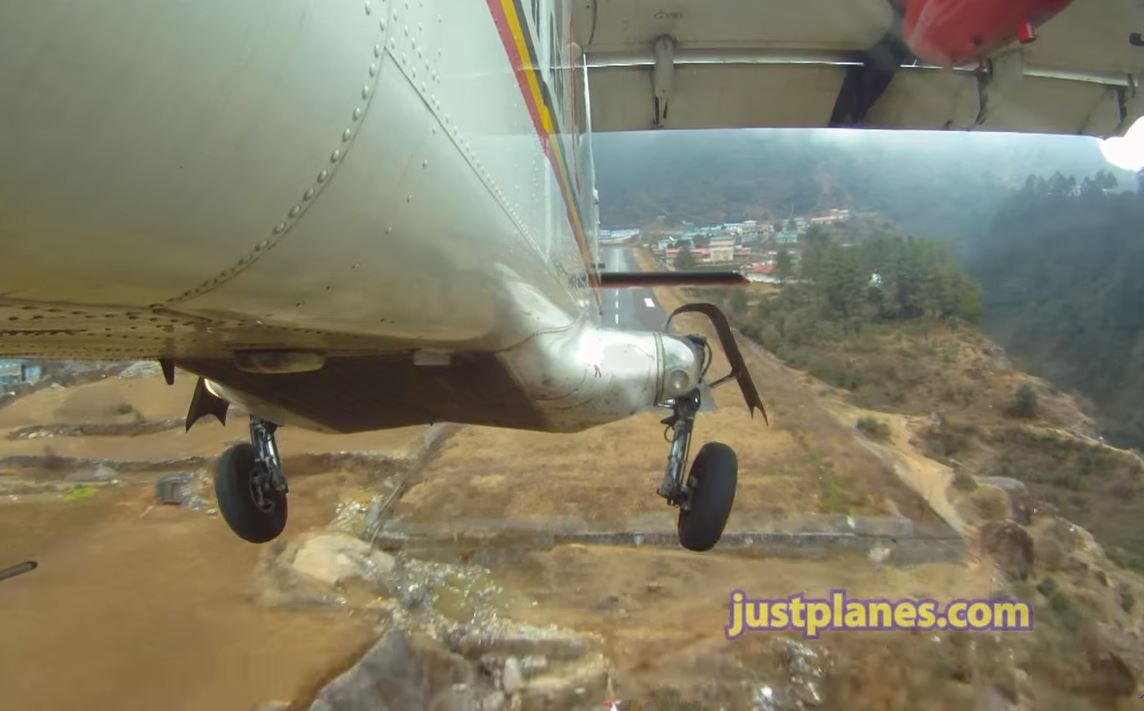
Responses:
[774,63]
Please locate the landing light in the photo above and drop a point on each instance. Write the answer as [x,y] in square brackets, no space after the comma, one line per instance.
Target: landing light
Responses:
[677,381]
[1127,151]
[278,362]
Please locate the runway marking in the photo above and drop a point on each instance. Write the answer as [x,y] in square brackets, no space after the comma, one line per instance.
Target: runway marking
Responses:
[617,318]
[649,303]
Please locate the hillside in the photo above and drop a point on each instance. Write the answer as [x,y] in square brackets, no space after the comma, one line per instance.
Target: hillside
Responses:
[938,185]
[1044,225]
[1018,461]
[1060,266]
[907,344]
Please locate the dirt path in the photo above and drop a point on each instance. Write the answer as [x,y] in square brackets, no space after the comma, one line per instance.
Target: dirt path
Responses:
[930,479]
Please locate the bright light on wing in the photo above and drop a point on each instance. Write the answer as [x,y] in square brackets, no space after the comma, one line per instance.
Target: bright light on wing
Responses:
[1126,152]
[591,351]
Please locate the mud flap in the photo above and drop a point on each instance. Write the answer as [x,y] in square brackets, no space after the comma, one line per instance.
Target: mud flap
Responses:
[731,350]
[203,403]
[865,83]
[168,367]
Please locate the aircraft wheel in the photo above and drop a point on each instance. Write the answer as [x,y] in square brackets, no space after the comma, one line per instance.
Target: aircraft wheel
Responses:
[712,480]
[251,505]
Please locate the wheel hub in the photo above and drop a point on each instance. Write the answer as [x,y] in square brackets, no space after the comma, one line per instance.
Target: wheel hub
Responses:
[260,490]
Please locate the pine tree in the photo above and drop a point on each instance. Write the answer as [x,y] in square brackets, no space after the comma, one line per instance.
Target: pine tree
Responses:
[784,264]
[684,259]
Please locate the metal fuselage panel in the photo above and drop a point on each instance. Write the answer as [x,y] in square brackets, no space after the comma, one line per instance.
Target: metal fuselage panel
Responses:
[363,178]
[364,173]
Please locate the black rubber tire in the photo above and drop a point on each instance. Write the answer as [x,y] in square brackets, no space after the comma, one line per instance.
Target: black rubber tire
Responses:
[713,477]
[236,468]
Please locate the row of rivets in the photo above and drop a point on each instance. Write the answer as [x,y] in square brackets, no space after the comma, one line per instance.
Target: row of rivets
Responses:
[295,210]
[431,77]
[347,134]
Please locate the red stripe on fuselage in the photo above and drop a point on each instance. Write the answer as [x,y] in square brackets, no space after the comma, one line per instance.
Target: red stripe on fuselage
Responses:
[519,70]
[521,66]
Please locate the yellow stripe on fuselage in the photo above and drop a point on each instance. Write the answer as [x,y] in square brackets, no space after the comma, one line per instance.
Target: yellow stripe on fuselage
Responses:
[531,71]
[530,68]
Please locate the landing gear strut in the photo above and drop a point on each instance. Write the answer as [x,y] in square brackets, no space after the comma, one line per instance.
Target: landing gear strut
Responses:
[706,497]
[250,486]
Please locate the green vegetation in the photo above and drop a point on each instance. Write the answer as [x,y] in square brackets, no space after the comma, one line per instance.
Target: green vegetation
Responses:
[989,503]
[1059,258]
[831,492]
[1064,607]
[883,365]
[737,300]
[834,496]
[964,482]
[1127,599]
[889,277]
[784,264]
[1125,558]
[80,493]
[1097,487]
[1024,401]
[865,317]
[684,259]
[950,439]
[933,450]
[1047,586]
[873,428]
[1066,610]
[1061,266]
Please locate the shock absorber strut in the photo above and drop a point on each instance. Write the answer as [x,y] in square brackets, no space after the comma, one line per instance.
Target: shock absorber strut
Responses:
[681,421]
[262,437]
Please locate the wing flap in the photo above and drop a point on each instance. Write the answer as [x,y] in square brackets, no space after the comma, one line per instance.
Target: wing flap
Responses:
[614,280]
[772,65]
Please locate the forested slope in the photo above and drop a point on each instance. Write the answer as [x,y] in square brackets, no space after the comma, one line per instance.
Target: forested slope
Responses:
[1062,266]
